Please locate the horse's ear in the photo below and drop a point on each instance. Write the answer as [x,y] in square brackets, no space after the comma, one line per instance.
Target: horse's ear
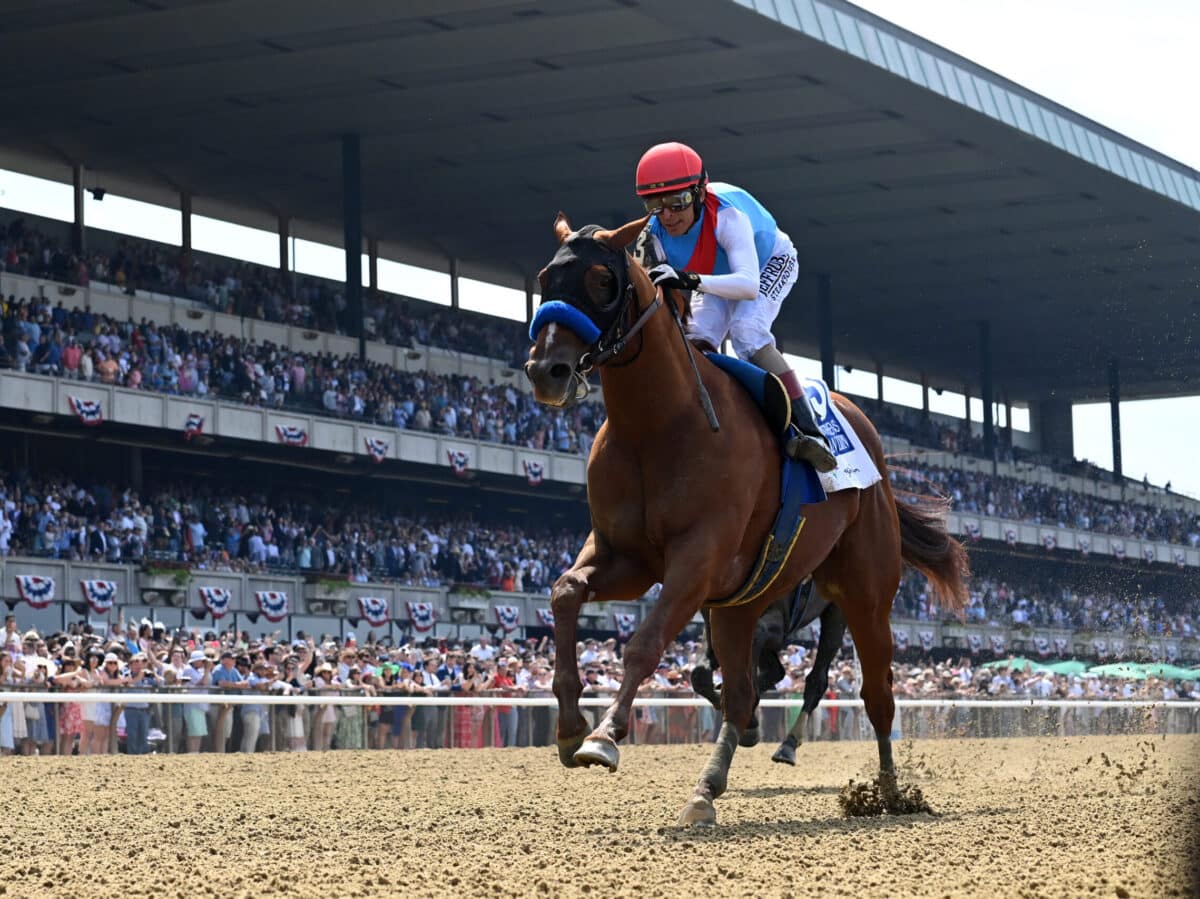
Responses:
[622,237]
[562,228]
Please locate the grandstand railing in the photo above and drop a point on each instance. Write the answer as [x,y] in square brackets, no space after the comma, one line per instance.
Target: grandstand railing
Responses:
[476,721]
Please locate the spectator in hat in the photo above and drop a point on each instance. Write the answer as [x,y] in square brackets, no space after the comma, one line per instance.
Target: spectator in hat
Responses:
[225,677]
[137,714]
[325,717]
[198,676]
[254,717]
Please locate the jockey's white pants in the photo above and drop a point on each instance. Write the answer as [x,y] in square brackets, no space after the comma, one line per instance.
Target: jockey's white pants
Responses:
[747,323]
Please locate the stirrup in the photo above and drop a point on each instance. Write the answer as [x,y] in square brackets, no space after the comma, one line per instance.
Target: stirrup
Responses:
[806,448]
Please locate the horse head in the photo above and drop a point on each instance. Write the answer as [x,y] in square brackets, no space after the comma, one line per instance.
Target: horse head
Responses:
[589,291]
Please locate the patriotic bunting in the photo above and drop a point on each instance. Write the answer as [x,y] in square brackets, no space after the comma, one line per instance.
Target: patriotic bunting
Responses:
[508,616]
[460,461]
[216,600]
[1149,554]
[1116,646]
[377,448]
[1010,536]
[99,594]
[546,616]
[974,643]
[1060,645]
[1180,558]
[273,603]
[971,529]
[375,610]
[1100,647]
[36,590]
[1049,540]
[1084,543]
[291,435]
[87,411]
[533,472]
[1171,650]
[421,614]
[1042,645]
[193,426]
[926,638]
[1118,548]
[626,622]
[997,641]
[900,640]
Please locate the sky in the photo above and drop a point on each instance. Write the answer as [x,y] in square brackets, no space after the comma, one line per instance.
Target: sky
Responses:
[1133,67]
[1128,65]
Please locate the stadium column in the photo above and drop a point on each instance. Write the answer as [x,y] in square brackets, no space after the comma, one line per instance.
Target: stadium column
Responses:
[879,379]
[825,326]
[78,239]
[925,394]
[185,221]
[985,384]
[1056,432]
[529,282]
[1114,406]
[285,227]
[352,229]
[373,265]
[453,283]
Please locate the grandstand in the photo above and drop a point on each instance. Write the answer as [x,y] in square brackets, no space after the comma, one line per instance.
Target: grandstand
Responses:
[907,176]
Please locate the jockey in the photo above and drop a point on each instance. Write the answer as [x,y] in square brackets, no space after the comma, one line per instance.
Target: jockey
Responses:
[720,243]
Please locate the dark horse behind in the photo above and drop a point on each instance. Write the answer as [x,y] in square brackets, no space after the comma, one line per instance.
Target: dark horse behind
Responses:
[676,501]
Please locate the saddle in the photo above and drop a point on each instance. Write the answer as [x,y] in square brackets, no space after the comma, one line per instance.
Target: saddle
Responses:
[799,484]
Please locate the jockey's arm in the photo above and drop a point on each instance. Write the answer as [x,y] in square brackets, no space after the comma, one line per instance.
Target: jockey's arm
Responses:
[735,234]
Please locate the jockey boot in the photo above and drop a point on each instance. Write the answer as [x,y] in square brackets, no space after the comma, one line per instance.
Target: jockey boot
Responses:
[810,445]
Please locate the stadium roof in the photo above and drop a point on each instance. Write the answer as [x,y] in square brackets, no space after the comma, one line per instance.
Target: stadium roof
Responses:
[934,192]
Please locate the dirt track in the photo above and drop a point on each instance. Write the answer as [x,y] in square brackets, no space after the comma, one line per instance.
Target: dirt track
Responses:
[1016,818]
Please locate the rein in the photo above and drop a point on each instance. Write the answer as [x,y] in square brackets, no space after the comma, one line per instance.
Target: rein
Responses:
[599,354]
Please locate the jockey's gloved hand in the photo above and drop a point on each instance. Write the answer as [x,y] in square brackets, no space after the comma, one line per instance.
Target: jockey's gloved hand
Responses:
[666,276]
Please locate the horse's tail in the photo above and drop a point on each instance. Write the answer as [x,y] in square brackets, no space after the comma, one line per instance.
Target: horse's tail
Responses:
[927,546]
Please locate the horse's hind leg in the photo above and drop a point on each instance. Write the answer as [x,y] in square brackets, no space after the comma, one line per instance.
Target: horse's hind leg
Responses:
[702,673]
[833,628]
[732,635]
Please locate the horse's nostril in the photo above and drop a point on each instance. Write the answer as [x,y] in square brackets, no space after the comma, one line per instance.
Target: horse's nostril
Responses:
[560,371]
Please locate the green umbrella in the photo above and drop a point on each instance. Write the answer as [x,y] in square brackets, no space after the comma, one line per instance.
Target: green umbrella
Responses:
[1069,667]
[1119,669]
[1019,664]
[1171,672]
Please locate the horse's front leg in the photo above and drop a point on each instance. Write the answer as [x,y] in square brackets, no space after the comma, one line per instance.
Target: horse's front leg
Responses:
[732,632]
[685,587]
[597,575]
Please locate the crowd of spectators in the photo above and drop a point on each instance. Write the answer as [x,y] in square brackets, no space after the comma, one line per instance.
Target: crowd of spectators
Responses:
[142,656]
[975,492]
[44,338]
[222,530]
[259,292]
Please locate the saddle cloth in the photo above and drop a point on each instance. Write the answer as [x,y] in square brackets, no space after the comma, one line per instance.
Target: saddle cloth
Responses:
[800,484]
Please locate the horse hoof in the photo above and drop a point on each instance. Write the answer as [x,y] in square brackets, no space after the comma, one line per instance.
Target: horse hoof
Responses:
[597,752]
[567,749]
[785,755]
[699,812]
[750,737]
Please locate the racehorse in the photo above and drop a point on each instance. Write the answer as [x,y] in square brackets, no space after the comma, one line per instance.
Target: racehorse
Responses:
[778,627]
[686,499]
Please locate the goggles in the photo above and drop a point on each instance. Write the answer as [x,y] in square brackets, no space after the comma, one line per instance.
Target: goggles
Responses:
[676,202]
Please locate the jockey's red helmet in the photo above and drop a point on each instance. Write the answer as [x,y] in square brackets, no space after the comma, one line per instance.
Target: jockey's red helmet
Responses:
[668,167]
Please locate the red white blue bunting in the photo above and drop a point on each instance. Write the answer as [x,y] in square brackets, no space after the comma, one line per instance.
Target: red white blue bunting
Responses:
[193,426]
[900,640]
[291,435]
[1049,540]
[1010,536]
[1042,645]
[971,529]
[216,600]
[1149,554]
[533,472]
[546,616]
[926,638]
[460,461]
[87,411]
[1100,647]
[508,616]
[1180,558]
[1084,542]
[1118,548]
[421,615]
[626,622]
[273,603]
[998,643]
[99,594]
[1060,645]
[377,448]
[374,610]
[974,643]
[36,590]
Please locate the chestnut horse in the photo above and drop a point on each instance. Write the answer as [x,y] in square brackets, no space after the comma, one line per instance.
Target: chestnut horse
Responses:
[676,499]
